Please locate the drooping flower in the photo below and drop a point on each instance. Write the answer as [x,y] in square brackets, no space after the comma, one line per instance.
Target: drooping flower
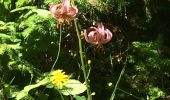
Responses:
[63,11]
[98,35]
[59,78]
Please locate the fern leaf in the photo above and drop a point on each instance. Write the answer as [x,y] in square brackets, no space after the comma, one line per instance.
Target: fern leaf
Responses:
[21,3]
[23,8]
[7,47]
[7,4]
[2,23]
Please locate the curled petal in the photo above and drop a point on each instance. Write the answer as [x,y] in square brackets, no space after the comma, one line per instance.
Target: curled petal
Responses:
[85,36]
[87,32]
[92,37]
[63,11]
[101,28]
[55,10]
[108,36]
[72,12]
[99,35]
[66,6]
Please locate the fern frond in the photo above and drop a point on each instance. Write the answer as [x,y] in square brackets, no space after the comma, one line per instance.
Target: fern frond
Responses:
[7,47]
[5,36]
[22,66]
[23,8]
[7,4]
[7,27]
[21,3]
[38,22]
[2,23]
[147,11]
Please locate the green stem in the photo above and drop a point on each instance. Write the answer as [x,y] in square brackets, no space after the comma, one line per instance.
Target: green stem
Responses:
[129,94]
[120,76]
[60,94]
[82,62]
[59,46]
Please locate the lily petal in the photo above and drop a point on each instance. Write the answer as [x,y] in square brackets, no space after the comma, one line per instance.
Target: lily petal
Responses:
[55,10]
[63,11]
[108,36]
[101,28]
[65,6]
[99,35]
[72,12]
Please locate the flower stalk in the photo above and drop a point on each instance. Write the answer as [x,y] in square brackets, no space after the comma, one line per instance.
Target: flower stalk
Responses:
[82,62]
[116,86]
[59,47]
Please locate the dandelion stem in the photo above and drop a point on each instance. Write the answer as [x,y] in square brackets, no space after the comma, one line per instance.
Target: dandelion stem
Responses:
[82,62]
[59,46]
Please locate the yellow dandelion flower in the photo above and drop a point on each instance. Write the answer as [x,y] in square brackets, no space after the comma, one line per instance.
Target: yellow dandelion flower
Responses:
[59,78]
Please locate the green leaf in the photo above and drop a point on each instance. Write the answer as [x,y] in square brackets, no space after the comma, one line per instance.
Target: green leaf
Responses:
[23,8]
[26,89]
[50,86]
[37,22]
[14,46]
[5,47]
[48,2]
[2,23]
[43,13]
[73,87]
[4,36]
[138,44]
[7,4]
[80,97]
[2,49]
[21,3]
[155,93]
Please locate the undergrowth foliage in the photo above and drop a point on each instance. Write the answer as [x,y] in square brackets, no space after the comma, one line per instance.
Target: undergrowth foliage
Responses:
[134,65]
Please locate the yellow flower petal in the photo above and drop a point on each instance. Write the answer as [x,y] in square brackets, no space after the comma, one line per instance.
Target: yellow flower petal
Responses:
[59,78]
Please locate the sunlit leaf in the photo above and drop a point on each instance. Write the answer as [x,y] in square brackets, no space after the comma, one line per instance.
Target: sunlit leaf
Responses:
[26,89]
[73,87]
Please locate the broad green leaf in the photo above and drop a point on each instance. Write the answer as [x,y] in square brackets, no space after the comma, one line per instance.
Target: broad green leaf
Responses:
[26,89]
[73,87]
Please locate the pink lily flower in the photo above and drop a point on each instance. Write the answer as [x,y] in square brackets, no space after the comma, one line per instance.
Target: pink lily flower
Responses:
[63,11]
[98,35]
